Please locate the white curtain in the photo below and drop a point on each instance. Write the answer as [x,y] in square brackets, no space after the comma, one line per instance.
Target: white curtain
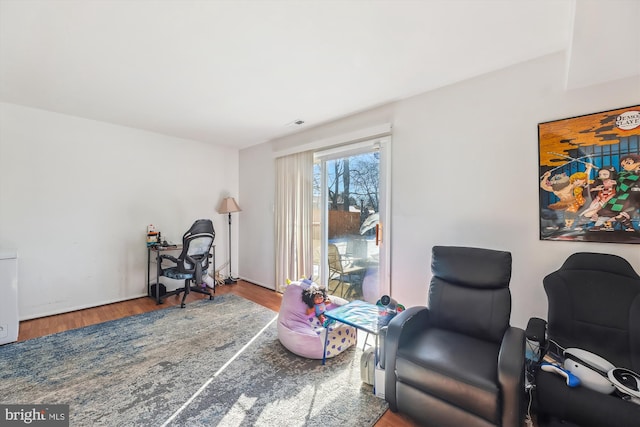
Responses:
[293,213]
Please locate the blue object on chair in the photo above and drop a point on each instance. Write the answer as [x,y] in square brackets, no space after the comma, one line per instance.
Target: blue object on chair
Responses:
[193,262]
[572,380]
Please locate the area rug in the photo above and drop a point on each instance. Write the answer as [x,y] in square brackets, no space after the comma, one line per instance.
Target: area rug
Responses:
[212,363]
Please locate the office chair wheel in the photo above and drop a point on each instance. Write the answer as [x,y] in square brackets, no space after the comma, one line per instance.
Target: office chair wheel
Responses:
[182,305]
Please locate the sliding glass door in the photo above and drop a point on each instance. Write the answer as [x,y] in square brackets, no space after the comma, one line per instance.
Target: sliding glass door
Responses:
[350,211]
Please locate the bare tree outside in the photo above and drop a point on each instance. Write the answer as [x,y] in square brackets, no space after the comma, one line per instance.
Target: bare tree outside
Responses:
[353,181]
[366,181]
[346,183]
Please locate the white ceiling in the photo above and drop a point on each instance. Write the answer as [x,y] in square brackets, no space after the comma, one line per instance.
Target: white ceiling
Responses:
[238,72]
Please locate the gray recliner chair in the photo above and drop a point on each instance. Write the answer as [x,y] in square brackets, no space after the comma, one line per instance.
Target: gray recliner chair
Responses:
[458,362]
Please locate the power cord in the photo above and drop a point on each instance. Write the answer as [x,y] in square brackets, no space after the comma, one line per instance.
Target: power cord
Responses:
[532,362]
[533,365]
[527,419]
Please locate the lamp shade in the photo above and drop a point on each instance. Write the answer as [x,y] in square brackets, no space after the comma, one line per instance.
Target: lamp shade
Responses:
[228,205]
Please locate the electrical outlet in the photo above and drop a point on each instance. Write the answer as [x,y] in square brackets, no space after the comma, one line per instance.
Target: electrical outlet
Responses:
[4,331]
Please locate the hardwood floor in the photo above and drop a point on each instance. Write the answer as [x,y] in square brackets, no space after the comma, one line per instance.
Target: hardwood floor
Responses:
[270,299]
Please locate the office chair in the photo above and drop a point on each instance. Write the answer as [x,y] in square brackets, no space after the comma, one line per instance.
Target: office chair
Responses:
[459,362]
[192,264]
[594,305]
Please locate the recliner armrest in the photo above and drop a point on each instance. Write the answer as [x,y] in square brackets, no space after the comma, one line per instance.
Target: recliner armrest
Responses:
[402,327]
[537,331]
[382,335]
[511,360]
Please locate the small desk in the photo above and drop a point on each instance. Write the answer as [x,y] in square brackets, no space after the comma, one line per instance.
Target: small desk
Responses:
[158,249]
[359,314]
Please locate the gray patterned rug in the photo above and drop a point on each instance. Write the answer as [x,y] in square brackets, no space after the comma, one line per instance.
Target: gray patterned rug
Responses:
[181,367]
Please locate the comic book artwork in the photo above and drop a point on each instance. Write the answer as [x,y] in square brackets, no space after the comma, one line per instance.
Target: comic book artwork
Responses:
[590,177]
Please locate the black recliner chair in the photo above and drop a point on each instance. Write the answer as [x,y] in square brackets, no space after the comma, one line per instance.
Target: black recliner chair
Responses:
[594,305]
[193,262]
[458,362]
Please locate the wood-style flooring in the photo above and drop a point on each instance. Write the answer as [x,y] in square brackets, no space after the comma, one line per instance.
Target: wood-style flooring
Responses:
[268,298]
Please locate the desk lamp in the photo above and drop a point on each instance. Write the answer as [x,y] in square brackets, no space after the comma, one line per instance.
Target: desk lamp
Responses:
[228,206]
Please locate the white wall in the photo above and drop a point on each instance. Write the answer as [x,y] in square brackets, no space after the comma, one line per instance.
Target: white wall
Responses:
[465,172]
[256,258]
[76,196]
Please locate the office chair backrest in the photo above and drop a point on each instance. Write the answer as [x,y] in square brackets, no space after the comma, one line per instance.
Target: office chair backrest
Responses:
[469,291]
[594,304]
[196,244]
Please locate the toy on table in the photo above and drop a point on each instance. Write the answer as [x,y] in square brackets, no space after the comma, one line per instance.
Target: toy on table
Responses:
[388,308]
[315,296]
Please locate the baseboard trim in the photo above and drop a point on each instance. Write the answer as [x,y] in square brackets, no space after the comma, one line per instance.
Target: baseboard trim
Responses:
[80,307]
[259,283]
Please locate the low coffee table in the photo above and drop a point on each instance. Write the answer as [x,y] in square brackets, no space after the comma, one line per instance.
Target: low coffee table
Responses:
[359,314]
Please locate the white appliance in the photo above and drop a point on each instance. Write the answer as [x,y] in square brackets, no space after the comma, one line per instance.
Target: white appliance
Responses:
[9,300]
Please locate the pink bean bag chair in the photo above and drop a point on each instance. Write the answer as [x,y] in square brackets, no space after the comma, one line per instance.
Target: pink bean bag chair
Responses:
[303,334]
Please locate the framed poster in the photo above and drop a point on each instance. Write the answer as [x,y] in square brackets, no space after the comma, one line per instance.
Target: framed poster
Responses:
[590,177]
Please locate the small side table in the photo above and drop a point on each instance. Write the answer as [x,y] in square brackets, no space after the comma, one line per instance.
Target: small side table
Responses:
[157,249]
[359,314]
